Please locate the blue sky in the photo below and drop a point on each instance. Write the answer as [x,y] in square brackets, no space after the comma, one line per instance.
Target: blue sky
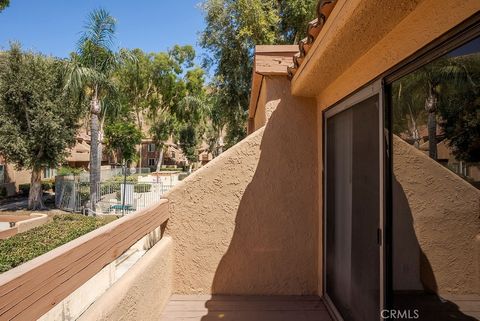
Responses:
[53,26]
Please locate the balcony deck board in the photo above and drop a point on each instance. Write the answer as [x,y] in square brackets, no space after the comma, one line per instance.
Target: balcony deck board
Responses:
[244,308]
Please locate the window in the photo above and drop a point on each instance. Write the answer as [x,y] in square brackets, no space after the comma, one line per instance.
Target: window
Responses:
[151,148]
[151,162]
[2,174]
[435,181]
[49,172]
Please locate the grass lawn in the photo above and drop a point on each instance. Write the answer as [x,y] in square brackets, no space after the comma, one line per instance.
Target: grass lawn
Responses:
[62,229]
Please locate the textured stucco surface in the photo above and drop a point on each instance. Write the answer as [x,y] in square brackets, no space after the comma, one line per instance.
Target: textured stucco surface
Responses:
[364,38]
[247,222]
[443,212]
[142,293]
[260,116]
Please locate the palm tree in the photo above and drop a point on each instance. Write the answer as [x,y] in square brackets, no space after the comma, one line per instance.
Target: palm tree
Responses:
[424,87]
[90,72]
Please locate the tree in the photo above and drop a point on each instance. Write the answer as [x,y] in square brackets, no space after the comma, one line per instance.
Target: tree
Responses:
[38,122]
[233,28]
[160,131]
[121,138]
[91,70]
[191,113]
[459,110]
[4,4]
[426,88]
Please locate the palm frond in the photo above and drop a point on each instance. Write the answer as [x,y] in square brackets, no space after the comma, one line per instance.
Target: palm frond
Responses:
[99,29]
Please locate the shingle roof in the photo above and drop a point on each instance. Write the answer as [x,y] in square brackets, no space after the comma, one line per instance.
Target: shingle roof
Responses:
[324,9]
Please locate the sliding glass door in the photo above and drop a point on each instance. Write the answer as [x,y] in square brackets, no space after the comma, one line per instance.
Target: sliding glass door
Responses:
[353,204]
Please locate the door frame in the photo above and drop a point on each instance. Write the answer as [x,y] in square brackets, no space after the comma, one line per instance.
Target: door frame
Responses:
[375,88]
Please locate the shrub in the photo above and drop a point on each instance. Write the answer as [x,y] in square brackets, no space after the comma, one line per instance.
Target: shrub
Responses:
[3,191]
[28,245]
[142,188]
[66,170]
[24,189]
[84,192]
[47,185]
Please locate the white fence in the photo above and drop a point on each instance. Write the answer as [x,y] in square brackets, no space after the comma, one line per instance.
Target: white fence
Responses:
[112,197]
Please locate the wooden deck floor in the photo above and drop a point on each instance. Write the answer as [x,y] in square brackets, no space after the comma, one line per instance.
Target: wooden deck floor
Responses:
[245,308]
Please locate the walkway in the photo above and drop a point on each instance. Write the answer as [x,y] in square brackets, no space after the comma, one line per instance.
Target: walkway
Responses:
[244,308]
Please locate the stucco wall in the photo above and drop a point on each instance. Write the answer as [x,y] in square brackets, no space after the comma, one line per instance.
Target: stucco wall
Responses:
[260,116]
[140,294]
[441,213]
[364,38]
[247,222]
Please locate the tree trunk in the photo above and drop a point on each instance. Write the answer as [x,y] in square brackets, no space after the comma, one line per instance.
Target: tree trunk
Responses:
[431,105]
[432,135]
[94,150]
[160,160]
[35,196]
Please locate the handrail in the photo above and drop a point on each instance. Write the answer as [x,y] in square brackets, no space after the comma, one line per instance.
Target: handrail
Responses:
[32,289]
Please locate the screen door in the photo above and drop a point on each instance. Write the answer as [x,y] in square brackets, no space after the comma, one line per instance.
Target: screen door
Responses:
[352,209]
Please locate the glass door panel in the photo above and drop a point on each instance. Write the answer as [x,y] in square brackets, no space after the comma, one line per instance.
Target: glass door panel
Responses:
[353,210]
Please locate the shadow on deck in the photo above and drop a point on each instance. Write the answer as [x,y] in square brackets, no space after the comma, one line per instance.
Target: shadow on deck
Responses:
[244,308]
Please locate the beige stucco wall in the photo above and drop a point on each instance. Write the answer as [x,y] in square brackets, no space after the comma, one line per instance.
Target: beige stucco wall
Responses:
[247,222]
[356,46]
[440,212]
[16,178]
[140,294]
[260,115]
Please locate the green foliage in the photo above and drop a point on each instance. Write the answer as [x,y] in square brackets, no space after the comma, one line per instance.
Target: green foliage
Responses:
[165,88]
[122,138]
[4,4]
[24,189]
[46,186]
[28,245]
[233,28]
[3,191]
[66,171]
[142,188]
[455,82]
[38,122]
[459,110]
[189,142]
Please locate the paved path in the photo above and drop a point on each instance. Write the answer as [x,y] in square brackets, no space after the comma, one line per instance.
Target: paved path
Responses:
[14,206]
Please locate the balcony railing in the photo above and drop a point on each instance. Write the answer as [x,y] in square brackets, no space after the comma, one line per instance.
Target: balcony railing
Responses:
[32,289]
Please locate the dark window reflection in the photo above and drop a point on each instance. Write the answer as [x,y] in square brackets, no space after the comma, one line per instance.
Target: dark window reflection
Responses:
[436,181]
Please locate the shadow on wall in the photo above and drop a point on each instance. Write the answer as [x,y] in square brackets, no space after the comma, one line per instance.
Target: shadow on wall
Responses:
[414,283]
[274,245]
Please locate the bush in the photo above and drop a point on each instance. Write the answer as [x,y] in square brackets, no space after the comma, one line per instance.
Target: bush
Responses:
[171,169]
[24,189]
[84,192]
[3,191]
[142,188]
[46,186]
[66,171]
[28,245]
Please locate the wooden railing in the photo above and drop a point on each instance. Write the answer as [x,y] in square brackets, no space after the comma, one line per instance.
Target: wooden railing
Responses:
[32,289]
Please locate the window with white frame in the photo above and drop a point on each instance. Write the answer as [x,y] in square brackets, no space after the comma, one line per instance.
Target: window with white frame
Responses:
[151,162]
[151,148]
[49,172]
